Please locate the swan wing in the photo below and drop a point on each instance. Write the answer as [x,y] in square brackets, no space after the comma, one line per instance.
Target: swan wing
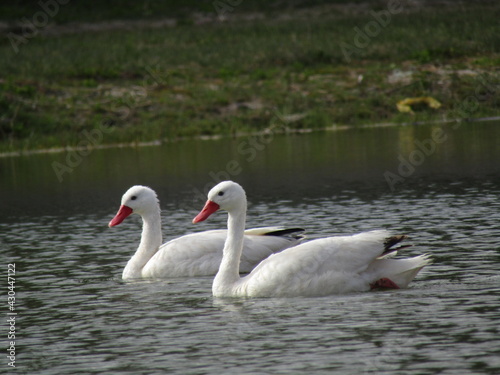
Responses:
[319,267]
[200,254]
[260,243]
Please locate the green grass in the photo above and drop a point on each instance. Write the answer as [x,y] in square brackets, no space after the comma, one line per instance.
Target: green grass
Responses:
[242,75]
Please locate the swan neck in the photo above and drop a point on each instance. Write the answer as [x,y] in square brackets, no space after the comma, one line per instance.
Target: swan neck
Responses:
[151,240]
[229,271]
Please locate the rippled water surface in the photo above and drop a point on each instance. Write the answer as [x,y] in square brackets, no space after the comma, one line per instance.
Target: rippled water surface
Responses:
[76,316]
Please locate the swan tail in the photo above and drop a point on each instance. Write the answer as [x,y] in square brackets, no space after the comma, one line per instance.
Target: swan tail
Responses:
[399,272]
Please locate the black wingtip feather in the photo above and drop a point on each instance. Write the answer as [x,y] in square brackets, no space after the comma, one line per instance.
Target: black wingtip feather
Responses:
[295,232]
[392,241]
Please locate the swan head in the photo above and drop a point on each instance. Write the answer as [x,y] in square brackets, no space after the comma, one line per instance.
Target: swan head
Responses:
[138,199]
[227,195]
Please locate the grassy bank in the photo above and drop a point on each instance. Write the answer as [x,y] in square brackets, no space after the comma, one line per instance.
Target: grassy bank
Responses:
[181,71]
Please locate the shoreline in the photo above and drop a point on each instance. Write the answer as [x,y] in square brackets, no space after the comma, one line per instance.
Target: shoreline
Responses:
[55,150]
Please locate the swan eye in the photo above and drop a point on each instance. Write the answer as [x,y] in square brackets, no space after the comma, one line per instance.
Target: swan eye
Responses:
[220,194]
[133,197]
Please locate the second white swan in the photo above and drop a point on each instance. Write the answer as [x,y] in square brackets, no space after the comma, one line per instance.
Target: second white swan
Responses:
[319,267]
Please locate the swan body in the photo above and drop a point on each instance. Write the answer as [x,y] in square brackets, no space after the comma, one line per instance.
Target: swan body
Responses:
[326,266]
[196,254]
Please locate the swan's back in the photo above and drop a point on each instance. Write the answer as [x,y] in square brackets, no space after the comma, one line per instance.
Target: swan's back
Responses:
[325,266]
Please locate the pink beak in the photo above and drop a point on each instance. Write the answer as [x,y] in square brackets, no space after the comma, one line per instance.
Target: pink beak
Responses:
[122,213]
[209,209]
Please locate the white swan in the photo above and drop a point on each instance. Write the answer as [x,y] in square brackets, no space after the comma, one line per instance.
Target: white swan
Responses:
[316,268]
[197,254]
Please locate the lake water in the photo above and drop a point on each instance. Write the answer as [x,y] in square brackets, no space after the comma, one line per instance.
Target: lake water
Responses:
[440,184]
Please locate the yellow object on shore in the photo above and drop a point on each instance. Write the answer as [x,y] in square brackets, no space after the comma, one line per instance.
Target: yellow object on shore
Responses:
[405,104]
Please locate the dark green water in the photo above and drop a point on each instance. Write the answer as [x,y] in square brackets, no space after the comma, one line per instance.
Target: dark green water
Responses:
[439,184]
